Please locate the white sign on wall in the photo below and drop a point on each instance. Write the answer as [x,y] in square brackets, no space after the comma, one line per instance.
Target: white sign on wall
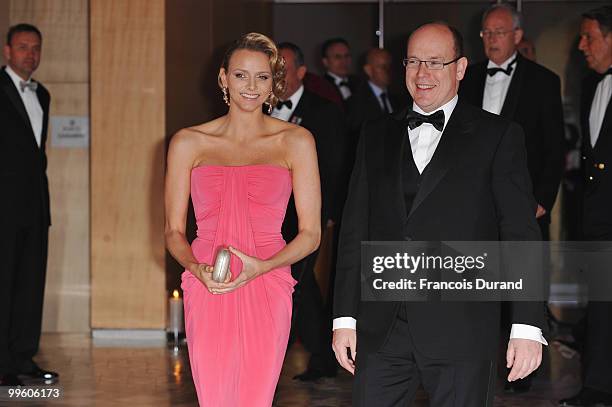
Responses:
[70,131]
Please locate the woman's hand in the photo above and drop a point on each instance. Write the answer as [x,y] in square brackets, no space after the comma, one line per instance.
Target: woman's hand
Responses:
[251,267]
[203,272]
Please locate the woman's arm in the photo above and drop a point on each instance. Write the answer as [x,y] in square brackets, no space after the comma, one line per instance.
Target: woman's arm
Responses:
[181,157]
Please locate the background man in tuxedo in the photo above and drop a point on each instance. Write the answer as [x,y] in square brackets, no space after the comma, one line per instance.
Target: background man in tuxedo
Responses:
[338,63]
[520,90]
[325,120]
[371,98]
[596,122]
[443,170]
[24,207]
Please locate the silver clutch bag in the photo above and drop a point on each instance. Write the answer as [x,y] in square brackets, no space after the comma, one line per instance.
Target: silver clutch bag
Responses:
[222,266]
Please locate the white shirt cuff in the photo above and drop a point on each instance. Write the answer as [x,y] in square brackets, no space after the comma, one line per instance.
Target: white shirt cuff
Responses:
[522,331]
[344,322]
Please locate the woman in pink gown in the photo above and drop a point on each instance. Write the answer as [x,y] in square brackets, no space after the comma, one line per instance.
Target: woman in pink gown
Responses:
[240,170]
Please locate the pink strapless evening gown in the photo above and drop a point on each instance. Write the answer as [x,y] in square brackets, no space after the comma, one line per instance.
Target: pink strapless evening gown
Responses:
[237,341]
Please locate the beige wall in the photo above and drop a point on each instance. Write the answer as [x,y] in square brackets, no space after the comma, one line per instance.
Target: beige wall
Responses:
[127,164]
[64,70]
[4,24]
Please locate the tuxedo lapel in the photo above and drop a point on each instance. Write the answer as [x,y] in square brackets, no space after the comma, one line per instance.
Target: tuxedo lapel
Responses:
[394,158]
[514,90]
[444,157]
[480,73]
[604,141]
[43,99]
[373,100]
[301,110]
[11,92]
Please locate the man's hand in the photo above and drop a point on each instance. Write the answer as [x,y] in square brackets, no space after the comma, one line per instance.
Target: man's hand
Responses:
[523,356]
[345,338]
[540,211]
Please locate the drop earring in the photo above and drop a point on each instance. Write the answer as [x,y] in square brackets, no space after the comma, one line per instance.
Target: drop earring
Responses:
[225,98]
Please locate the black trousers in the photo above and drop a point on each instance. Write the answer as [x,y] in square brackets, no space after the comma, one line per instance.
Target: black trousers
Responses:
[23,256]
[597,358]
[391,376]
[312,319]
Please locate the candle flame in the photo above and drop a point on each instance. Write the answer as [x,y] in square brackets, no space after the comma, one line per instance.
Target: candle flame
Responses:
[175,294]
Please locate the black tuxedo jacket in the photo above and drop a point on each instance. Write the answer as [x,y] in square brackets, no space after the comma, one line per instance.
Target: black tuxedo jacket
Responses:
[533,100]
[23,179]
[476,188]
[363,106]
[596,166]
[353,84]
[327,123]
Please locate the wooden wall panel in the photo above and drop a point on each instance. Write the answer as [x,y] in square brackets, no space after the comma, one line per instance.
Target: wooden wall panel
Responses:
[4,25]
[64,70]
[127,164]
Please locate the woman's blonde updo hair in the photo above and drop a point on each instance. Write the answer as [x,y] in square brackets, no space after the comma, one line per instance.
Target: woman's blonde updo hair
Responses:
[261,43]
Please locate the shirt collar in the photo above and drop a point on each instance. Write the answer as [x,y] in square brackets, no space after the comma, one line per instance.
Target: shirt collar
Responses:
[15,78]
[337,79]
[504,65]
[376,89]
[448,108]
[295,98]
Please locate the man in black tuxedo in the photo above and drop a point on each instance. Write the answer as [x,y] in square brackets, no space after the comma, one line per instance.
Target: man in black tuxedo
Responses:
[596,122]
[337,60]
[520,90]
[371,98]
[443,170]
[24,207]
[325,120]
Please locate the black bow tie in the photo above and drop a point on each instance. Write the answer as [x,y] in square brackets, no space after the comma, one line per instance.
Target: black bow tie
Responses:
[282,103]
[415,119]
[608,72]
[507,71]
[343,83]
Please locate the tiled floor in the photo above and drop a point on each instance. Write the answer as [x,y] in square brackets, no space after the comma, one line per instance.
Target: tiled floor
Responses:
[155,376]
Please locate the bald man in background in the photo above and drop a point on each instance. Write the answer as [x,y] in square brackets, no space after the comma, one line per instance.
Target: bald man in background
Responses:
[372,98]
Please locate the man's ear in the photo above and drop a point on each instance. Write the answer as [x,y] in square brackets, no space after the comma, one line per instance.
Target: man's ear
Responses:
[301,72]
[325,62]
[462,65]
[6,50]
[518,35]
[368,70]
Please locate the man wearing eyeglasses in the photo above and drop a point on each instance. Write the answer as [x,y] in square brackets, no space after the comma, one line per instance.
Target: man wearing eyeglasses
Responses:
[520,90]
[439,170]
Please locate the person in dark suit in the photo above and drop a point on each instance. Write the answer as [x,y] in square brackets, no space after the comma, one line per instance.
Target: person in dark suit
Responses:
[371,98]
[24,207]
[520,90]
[325,120]
[508,84]
[442,170]
[337,60]
[596,122]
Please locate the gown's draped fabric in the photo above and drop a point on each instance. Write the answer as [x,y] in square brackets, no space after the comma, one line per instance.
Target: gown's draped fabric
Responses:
[237,341]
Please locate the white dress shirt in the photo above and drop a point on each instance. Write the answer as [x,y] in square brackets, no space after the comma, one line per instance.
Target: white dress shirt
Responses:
[31,103]
[496,86]
[425,138]
[603,93]
[379,91]
[284,113]
[423,141]
[344,90]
